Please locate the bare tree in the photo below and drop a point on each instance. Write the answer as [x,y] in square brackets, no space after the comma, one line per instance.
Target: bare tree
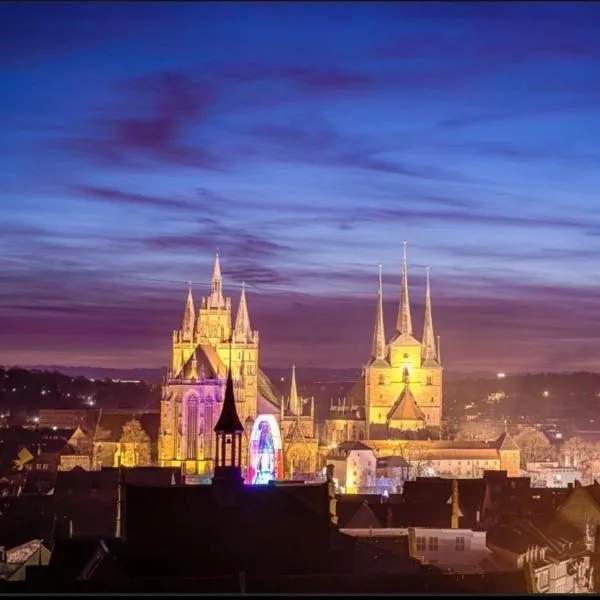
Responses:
[415,459]
[578,453]
[473,431]
[534,446]
[134,445]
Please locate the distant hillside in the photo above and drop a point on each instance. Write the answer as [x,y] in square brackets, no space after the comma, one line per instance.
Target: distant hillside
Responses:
[312,374]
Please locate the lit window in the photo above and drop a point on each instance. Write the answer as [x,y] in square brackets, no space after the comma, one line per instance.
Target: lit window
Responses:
[460,544]
[429,380]
[433,543]
[421,543]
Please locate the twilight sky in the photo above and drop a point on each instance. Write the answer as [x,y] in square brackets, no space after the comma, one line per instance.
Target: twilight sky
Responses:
[305,141]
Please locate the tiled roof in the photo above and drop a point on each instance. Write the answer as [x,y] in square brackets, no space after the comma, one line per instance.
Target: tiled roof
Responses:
[506,442]
[208,363]
[267,390]
[405,408]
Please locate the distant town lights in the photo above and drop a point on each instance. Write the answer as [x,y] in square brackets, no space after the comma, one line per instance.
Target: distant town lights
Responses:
[501,375]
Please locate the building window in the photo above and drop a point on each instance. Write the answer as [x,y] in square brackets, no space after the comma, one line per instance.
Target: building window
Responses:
[421,543]
[429,380]
[405,355]
[381,380]
[405,375]
[433,543]
[460,544]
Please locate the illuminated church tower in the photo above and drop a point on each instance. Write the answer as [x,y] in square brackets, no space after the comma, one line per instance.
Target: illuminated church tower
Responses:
[401,384]
[194,388]
[299,433]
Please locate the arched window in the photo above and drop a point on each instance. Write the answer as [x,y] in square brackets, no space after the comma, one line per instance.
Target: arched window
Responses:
[381,380]
[192,427]
[405,375]
[429,380]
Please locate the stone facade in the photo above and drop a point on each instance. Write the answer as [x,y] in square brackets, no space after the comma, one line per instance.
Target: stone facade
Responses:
[206,346]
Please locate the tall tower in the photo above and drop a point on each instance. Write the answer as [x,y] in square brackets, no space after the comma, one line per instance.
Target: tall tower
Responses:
[405,359]
[242,354]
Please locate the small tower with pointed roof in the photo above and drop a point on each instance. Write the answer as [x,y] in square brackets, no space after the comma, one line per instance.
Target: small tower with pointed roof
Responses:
[509,453]
[228,433]
[214,315]
[299,433]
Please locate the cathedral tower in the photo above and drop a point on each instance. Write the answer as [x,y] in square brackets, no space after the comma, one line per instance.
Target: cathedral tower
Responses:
[207,354]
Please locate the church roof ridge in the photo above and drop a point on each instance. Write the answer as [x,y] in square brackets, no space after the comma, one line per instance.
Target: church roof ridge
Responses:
[405,408]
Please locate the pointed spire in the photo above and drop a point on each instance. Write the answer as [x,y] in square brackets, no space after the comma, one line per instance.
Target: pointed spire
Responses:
[229,421]
[294,400]
[215,300]
[378,348]
[404,321]
[428,351]
[189,315]
[243,331]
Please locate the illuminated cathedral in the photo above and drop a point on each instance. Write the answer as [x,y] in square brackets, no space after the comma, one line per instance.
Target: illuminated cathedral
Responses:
[280,433]
[400,388]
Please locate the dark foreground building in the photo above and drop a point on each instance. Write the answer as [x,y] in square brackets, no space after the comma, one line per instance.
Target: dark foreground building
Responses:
[232,538]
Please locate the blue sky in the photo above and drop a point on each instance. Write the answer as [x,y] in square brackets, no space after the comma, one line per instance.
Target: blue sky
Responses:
[305,141]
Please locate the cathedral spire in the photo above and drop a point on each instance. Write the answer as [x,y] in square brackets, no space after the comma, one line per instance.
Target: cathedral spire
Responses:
[243,331]
[378,348]
[215,299]
[428,351]
[404,322]
[294,400]
[189,315]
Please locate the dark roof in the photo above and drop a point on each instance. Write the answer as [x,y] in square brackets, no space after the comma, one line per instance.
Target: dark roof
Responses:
[471,494]
[363,518]
[39,482]
[229,421]
[27,518]
[243,532]
[111,423]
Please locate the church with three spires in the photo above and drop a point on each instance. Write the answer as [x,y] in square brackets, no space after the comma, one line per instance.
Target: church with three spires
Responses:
[400,388]
[279,432]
